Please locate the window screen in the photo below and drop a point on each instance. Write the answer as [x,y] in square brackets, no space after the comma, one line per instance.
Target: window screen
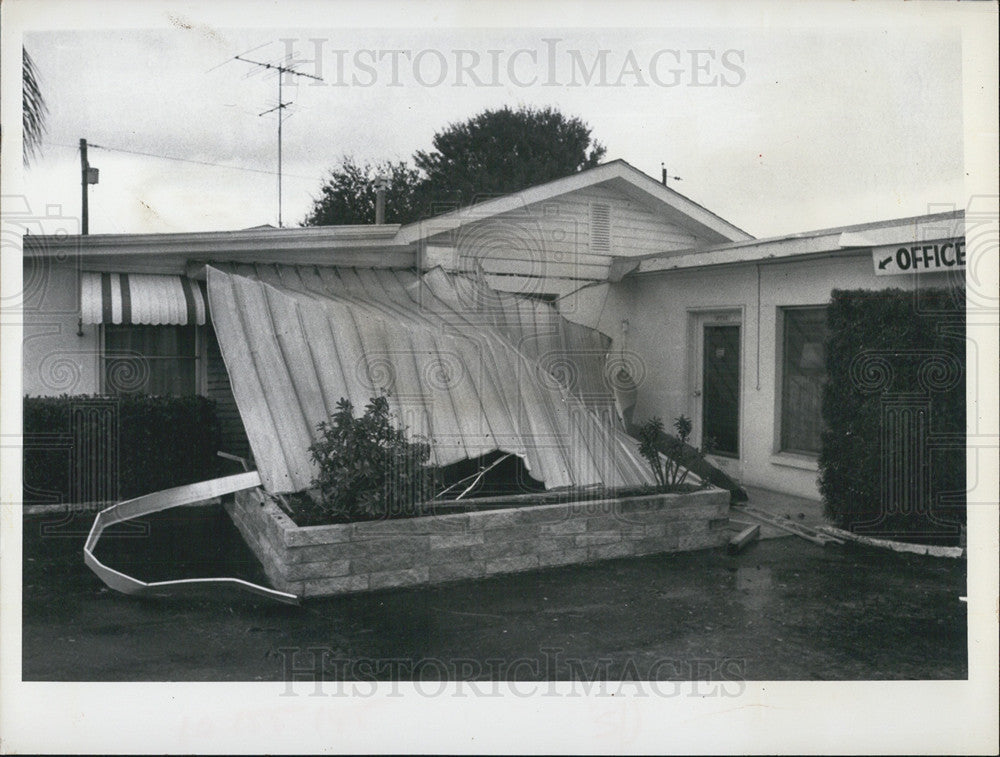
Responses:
[150,360]
[803,375]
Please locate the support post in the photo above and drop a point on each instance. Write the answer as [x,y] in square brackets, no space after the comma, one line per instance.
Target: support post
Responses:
[84,206]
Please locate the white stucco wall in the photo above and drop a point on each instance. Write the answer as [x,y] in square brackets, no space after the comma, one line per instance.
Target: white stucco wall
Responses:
[56,360]
[661,308]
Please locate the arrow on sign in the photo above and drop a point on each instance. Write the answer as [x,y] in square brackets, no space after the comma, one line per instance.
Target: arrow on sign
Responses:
[883,263]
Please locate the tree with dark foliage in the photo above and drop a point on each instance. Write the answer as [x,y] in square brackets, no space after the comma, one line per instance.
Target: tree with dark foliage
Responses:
[348,196]
[502,151]
[493,153]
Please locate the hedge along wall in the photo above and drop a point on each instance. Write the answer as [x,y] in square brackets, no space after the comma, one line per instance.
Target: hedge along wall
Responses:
[84,448]
[893,455]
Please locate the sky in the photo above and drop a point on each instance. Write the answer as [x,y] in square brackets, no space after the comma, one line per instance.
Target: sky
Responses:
[777,128]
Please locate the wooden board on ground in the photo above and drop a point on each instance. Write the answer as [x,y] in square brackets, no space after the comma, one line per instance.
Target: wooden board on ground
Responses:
[743,539]
[895,546]
[797,529]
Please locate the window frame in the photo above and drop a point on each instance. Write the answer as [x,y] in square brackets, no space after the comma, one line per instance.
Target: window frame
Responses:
[781,375]
[199,356]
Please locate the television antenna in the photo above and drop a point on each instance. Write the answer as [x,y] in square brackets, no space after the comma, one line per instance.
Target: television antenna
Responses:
[280,107]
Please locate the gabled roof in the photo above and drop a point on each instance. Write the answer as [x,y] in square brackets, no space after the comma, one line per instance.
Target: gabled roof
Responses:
[802,244]
[616,174]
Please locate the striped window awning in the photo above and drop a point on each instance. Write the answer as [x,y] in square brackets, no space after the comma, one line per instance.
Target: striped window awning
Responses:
[141,298]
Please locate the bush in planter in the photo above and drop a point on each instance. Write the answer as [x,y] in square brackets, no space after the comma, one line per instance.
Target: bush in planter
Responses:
[892,350]
[158,442]
[367,467]
[670,474]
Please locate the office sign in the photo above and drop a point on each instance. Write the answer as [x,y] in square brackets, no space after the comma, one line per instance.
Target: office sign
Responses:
[920,257]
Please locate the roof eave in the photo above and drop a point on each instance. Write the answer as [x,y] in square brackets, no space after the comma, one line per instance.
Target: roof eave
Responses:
[328,245]
[615,173]
[848,239]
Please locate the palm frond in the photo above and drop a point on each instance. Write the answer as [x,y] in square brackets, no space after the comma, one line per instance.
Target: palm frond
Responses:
[35,110]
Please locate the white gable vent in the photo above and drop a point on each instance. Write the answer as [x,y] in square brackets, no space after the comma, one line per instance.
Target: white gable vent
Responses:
[600,227]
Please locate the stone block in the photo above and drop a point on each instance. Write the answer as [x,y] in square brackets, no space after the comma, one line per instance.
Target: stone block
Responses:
[595,538]
[654,529]
[643,504]
[609,551]
[512,564]
[389,528]
[555,543]
[392,578]
[562,557]
[544,514]
[446,524]
[340,585]
[311,570]
[380,563]
[410,544]
[313,535]
[458,571]
[448,554]
[493,519]
[443,541]
[603,523]
[704,540]
[505,549]
[511,533]
[575,526]
[654,546]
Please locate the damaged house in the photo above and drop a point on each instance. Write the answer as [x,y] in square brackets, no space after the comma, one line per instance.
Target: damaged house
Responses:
[543,324]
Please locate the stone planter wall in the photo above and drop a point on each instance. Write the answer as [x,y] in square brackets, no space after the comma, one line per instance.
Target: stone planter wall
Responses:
[339,559]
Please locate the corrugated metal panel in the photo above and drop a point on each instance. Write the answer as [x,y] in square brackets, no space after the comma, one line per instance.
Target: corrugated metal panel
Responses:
[140,298]
[462,366]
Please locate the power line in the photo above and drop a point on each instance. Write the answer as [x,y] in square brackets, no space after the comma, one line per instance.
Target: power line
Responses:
[182,160]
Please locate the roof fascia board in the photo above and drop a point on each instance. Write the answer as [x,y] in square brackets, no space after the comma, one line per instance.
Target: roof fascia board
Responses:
[920,228]
[319,237]
[344,246]
[729,262]
[616,171]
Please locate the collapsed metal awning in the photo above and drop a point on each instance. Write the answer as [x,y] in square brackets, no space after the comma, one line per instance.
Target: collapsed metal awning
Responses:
[471,370]
[140,298]
[167,499]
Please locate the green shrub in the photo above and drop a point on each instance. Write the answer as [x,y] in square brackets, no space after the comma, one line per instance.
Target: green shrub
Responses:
[895,384]
[672,472]
[367,467]
[80,448]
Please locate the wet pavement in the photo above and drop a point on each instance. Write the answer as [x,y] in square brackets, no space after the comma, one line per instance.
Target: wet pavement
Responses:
[785,609]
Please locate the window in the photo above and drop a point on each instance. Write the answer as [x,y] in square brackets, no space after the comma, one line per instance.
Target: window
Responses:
[150,360]
[802,376]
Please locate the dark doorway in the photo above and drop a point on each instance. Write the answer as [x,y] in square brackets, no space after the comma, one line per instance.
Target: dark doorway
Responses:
[720,410]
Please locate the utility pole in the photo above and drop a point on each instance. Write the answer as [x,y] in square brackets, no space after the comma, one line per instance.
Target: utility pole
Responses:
[85,205]
[88,175]
[282,70]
